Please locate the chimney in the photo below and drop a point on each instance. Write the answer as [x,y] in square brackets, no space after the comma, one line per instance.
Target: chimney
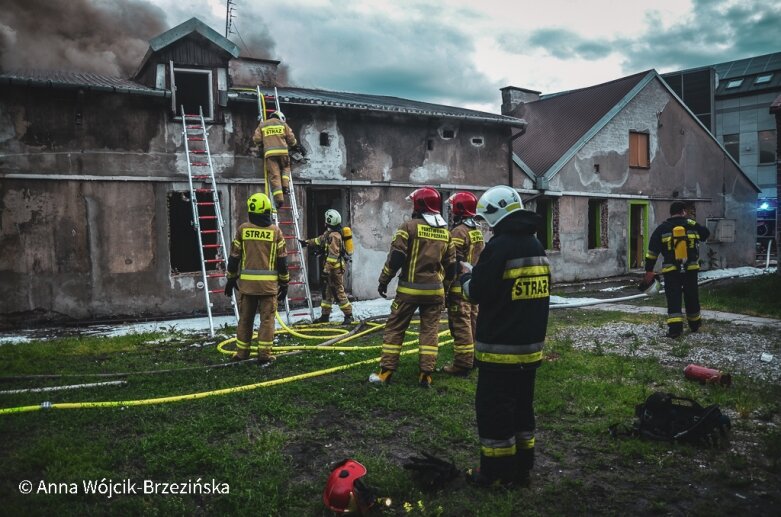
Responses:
[512,97]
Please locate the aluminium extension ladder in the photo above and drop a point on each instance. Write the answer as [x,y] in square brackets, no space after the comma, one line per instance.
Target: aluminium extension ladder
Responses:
[207,214]
[286,218]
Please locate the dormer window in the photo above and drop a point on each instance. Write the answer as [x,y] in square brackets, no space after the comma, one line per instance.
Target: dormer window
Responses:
[192,88]
[734,83]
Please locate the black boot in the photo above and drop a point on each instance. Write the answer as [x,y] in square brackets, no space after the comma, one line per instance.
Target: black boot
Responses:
[324,318]
[348,318]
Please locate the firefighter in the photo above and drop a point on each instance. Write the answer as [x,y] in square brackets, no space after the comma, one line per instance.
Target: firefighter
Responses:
[332,246]
[257,266]
[511,282]
[461,314]
[276,137]
[678,239]
[421,249]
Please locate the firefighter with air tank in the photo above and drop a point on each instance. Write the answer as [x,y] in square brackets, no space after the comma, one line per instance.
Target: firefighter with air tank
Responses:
[275,137]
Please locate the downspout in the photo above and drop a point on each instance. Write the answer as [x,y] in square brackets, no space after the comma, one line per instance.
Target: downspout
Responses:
[510,155]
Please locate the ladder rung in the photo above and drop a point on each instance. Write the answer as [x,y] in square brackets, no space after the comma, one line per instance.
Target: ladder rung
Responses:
[284,222]
[205,203]
[199,164]
[192,115]
[202,190]
[296,283]
[207,217]
[212,261]
[197,151]
[201,176]
[216,275]
[212,245]
[195,138]
[294,267]
[296,299]
[209,231]
[216,290]
[193,127]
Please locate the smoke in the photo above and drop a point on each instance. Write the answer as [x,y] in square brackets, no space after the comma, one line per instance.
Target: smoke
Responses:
[259,43]
[100,36]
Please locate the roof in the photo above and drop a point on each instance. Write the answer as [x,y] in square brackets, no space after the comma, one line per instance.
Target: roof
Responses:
[560,124]
[738,78]
[80,80]
[749,66]
[185,29]
[775,106]
[379,103]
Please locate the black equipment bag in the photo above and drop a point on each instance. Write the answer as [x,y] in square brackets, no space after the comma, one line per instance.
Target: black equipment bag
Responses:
[666,417]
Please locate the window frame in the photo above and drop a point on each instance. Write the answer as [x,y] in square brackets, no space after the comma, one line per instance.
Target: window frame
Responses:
[770,151]
[734,83]
[206,117]
[647,137]
[763,79]
[735,143]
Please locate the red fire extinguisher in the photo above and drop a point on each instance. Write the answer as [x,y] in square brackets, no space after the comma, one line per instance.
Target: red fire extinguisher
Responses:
[707,375]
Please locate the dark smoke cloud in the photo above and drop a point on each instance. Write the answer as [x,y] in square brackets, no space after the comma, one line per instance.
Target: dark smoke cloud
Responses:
[258,43]
[100,36]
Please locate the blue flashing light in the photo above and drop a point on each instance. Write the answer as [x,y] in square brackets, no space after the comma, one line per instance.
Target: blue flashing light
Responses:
[764,206]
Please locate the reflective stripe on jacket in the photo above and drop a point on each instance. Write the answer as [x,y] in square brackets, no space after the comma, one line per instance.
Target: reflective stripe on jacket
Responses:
[258,249]
[275,136]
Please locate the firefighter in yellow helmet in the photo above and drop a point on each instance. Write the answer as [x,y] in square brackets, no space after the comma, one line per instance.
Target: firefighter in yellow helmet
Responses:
[461,314]
[421,249]
[276,137]
[332,246]
[257,266]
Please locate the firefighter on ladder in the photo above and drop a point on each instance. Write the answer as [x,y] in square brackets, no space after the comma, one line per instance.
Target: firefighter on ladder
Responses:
[422,250]
[678,239]
[257,266]
[332,246]
[461,314]
[511,282]
[275,137]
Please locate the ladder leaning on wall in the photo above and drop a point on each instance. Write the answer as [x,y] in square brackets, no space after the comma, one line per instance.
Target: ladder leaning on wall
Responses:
[287,218]
[207,214]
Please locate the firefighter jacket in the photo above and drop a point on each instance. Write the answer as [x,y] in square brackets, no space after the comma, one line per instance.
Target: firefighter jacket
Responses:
[511,282]
[259,259]
[275,136]
[425,256]
[469,243]
[333,246]
[663,242]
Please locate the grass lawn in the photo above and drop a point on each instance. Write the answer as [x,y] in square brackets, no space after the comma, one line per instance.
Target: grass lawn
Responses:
[273,445]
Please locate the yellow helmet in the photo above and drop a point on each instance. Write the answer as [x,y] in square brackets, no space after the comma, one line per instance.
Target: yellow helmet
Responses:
[258,203]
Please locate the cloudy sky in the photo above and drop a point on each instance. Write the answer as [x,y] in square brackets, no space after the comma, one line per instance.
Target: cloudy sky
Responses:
[460,52]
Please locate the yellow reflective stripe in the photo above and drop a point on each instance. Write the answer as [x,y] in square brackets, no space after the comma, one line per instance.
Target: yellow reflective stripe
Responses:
[458,241]
[325,305]
[667,269]
[525,444]
[428,350]
[236,243]
[332,260]
[464,349]
[344,305]
[488,357]
[257,277]
[386,270]
[693,317]
[401,233]
[675,320]
[413,262]
[693,267]
[388,348]
[497,452]
[409,290]
[285,277]
[276,152]
[525,271]
[650,255]
[457,289]
[241,345]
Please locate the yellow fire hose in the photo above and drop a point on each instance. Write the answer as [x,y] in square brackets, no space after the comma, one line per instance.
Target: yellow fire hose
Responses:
[225,391]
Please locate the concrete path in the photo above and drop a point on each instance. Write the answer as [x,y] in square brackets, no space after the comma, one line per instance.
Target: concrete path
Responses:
[727,317]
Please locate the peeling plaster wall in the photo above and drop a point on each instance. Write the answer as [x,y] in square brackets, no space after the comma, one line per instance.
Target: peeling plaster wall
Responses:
[92,246]
[686,163]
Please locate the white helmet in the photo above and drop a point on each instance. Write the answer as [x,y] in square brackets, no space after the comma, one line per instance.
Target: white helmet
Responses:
[279,115]
[497,203]
[332,217]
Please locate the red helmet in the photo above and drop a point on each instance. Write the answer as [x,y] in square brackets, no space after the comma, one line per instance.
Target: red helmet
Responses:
[426,200]
[345,492]
[463,204]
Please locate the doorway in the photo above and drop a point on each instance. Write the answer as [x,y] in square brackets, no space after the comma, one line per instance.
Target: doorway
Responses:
[318,200]
[637,233]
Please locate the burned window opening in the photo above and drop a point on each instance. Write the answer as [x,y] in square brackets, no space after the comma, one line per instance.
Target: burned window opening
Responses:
[448,134]
[477,141]
[597,223]
[182,237]
[194,91]
[430,144]
[548,230]
[325,139]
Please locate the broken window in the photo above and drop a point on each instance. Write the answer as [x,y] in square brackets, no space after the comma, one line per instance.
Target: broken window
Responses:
[430,144]
[325,139]
[182,236]
[477,141]
[638,150]
[447,134]
[767,146]
[548,230]
[193,90]
[597,223]
[732,145]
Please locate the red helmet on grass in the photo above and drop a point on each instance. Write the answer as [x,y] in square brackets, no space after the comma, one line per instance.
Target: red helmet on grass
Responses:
[345,491]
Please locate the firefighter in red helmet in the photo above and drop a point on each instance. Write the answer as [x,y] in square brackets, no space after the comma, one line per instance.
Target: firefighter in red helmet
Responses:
[468,242]
[422,251]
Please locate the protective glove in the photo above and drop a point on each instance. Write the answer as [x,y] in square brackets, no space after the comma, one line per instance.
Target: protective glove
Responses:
[647,281]
[302,242]
[281,292]
[230,285]
[383,290]
[431,470]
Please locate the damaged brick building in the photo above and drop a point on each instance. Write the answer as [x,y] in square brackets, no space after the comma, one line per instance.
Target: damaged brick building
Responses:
[95,220]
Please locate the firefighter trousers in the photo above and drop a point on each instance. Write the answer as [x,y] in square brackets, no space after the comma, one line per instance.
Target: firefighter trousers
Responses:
[249,305]
[401,315]
[504,404]
[461,318]
[278,174]
[675,285]
[334,293]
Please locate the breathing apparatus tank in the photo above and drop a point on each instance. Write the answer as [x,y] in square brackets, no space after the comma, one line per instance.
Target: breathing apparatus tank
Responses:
[347,238]
[680,244]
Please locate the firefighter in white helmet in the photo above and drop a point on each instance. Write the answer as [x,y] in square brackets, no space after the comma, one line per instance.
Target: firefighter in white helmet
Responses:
[422,251]
[257,267]
[276,137]
[511,282]
[331,244]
